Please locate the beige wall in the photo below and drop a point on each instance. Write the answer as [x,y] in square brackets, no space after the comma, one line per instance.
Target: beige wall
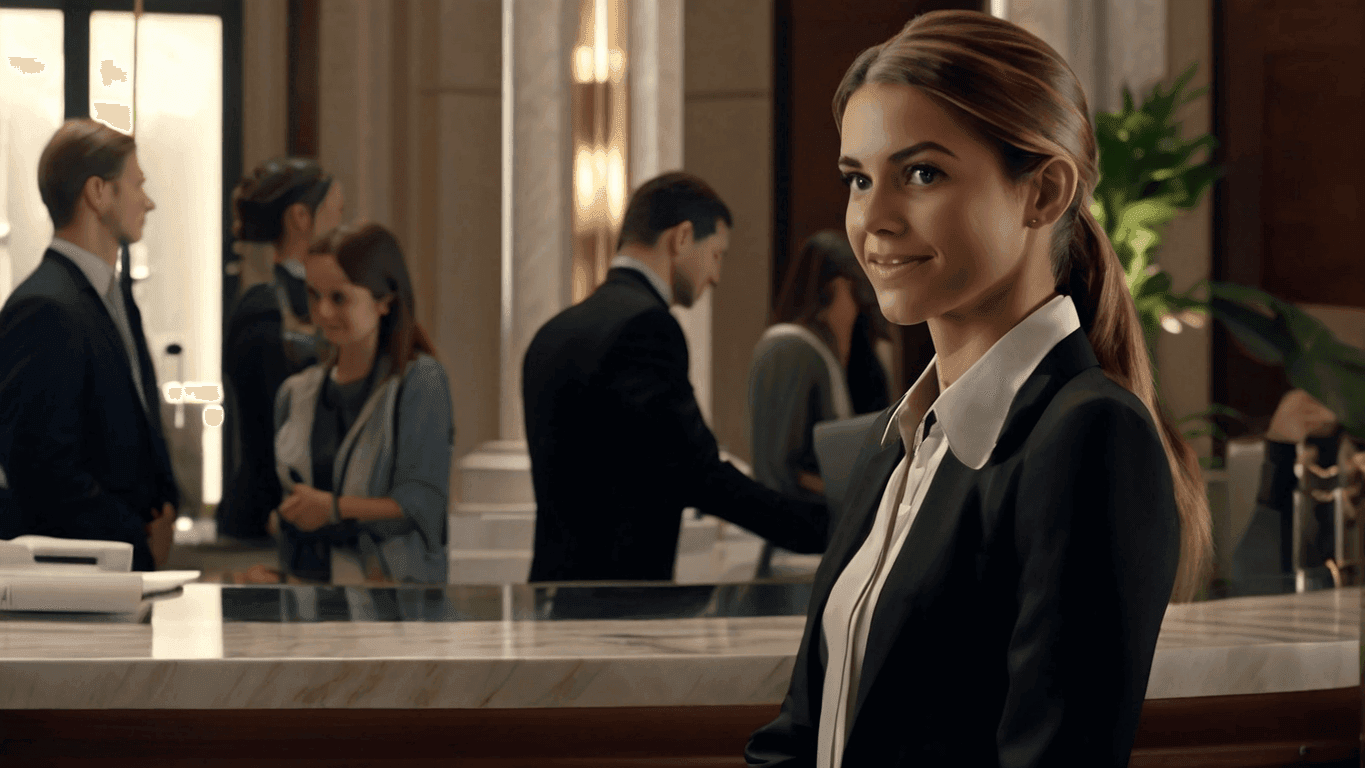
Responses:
[727,119]
[1184,359]
[264,72]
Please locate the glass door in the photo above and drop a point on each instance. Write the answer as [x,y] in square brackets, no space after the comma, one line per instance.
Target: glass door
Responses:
[181,99]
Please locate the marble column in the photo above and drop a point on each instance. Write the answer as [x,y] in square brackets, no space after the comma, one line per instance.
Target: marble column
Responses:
[1107,42]
[493,522]
[654,61]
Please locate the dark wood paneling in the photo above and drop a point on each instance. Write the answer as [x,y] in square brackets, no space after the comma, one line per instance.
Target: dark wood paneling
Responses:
[815,42]
[302,96]
[1221,731]
[1289,76]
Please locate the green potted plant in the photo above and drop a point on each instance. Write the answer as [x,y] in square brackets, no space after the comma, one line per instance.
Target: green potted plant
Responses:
[1148,175]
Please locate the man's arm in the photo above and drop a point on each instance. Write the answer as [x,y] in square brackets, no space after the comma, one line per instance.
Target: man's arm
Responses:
[650,363]
[41,399]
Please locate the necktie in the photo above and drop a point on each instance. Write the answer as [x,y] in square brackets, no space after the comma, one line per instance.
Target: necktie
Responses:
[115,300]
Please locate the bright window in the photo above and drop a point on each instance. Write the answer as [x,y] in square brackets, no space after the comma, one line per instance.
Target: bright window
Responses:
[178,122]
[32,69]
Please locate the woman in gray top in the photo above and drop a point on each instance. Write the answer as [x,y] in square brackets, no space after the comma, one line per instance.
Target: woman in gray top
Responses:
[363,439]
[799,372]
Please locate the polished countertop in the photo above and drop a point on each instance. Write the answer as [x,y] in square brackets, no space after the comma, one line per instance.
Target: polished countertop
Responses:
[230,647]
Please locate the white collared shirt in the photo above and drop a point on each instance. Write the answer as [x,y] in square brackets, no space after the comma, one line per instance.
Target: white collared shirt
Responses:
[104,281]
[966,418]
[629,262]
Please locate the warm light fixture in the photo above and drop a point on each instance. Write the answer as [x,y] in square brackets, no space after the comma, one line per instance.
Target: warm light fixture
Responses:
[599,136]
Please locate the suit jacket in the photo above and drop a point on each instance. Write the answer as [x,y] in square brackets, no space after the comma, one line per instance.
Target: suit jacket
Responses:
[84,460]
[1018,623]
[256,361]
[619,447]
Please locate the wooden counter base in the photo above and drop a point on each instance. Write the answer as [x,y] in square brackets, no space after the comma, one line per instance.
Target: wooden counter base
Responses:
[1215,732]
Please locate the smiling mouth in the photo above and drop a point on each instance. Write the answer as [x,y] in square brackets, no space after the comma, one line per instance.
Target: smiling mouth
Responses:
[894,265]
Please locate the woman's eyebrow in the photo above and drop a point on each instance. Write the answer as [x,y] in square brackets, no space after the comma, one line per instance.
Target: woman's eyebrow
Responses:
[903,154]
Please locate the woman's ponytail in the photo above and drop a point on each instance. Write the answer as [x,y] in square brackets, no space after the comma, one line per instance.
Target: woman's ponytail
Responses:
[1099,289]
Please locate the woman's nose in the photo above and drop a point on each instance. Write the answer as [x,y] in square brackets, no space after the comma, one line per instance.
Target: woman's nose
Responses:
[880,214]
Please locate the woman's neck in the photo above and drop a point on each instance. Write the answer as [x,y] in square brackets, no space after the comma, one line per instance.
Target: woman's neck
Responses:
[356,360]
[962,337]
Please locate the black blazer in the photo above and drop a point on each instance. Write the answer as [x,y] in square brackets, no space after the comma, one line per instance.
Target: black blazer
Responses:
[83,459]
[619,447]
[1018,623]
[256,361]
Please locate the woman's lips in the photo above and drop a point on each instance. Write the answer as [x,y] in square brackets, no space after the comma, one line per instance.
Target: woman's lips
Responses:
[891,268]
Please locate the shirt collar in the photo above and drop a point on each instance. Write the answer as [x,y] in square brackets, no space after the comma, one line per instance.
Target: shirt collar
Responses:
[96,270]
[629,262]
[972,410]
[294,267]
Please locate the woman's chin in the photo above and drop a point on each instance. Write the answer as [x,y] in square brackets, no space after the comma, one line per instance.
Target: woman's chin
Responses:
[901,310]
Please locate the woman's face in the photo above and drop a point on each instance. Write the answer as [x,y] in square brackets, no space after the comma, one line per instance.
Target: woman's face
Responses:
[346,312]
[932,218]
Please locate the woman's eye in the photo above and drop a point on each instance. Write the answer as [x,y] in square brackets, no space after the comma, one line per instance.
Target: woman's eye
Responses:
[926,173]
[855,181]
[338,299]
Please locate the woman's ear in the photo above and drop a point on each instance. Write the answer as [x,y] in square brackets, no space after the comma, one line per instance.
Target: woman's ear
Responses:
[299,219]
[1051,191]
[385,304]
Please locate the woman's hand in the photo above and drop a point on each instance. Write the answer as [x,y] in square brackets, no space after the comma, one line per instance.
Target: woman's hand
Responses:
[307,508]
[1298,416]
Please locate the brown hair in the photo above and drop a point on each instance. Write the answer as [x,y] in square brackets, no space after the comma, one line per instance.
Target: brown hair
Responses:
[666,201]
[1020,97]
[80,149]
[260,200]
[370,257]
[824,256]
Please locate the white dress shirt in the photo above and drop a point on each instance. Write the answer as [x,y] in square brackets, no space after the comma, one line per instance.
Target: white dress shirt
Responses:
[630,262]
[103,280]
[965,418]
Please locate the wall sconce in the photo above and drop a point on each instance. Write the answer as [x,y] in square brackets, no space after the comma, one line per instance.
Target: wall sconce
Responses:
[600,129]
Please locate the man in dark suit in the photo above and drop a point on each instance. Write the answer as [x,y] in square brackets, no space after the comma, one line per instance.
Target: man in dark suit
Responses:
[618,445]
[81,444]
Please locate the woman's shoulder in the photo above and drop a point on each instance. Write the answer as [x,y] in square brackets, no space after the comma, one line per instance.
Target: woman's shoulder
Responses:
[308,377]
[425,373]
[1092,400]
[788,343]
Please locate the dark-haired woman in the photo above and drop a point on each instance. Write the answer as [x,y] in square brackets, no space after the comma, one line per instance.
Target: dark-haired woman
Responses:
[993,593]
[799,373]
[363,439]
[278,211]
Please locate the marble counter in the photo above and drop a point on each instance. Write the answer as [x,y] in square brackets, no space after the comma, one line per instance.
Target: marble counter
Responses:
[225,647]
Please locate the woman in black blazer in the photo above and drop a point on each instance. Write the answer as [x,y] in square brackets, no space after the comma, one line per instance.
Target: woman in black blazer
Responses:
[994,589]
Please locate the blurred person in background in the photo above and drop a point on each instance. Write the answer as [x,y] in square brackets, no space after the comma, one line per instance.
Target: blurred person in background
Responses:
[363,439]
[278,211]
[617,441]
[81,441]
[800,370]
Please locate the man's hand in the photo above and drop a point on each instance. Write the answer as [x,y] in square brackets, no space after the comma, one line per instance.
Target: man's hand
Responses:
[1298,416]
[160,533]
[307,508]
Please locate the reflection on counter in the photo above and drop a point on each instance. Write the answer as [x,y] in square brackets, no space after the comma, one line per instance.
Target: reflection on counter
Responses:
[513,602]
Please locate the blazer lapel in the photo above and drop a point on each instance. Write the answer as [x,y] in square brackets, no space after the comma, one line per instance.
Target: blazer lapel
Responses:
[928,546]
[99,314]
[865,493]
[927,550]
